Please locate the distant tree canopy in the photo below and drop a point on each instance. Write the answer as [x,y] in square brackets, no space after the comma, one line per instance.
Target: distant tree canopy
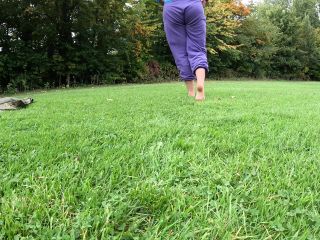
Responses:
[51,43]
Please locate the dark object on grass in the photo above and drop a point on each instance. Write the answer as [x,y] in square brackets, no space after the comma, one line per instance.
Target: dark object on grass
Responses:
[14,103]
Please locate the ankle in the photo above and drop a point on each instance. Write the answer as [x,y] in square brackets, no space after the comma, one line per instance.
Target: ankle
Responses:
[200,88]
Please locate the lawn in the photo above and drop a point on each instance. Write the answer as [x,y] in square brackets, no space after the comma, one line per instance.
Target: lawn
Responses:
[148,162]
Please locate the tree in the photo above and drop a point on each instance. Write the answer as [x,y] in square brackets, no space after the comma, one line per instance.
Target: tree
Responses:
[223,20]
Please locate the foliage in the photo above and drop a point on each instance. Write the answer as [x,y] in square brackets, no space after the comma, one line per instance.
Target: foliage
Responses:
[223,19]
[52,43]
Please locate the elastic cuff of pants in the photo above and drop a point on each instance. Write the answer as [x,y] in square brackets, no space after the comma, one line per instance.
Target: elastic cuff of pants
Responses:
[187,79]
[201,66]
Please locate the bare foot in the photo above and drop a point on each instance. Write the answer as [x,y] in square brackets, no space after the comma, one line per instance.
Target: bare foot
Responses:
[190,88]
[201,75]
[191,94]
[200,93]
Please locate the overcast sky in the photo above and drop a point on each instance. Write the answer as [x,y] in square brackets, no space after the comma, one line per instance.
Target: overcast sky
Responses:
[248,1]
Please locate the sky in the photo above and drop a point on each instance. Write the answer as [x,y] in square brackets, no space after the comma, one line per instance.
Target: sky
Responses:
[248,1]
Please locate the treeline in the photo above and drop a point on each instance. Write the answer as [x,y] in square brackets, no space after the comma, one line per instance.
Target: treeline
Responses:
[52,43]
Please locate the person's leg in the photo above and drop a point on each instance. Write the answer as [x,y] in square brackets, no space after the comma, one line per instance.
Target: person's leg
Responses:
[196,44]
[201,75]
[173,16]
[190,88]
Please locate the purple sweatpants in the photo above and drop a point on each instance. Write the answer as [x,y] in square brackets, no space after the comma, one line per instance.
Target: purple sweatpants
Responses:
[185,27]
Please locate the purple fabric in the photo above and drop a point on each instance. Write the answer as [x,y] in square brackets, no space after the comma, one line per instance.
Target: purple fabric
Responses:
[185,27]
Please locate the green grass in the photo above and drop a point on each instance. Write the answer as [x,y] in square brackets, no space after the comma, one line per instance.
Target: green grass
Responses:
[147,162]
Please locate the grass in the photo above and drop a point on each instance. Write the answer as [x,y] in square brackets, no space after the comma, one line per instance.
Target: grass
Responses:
[147,162]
